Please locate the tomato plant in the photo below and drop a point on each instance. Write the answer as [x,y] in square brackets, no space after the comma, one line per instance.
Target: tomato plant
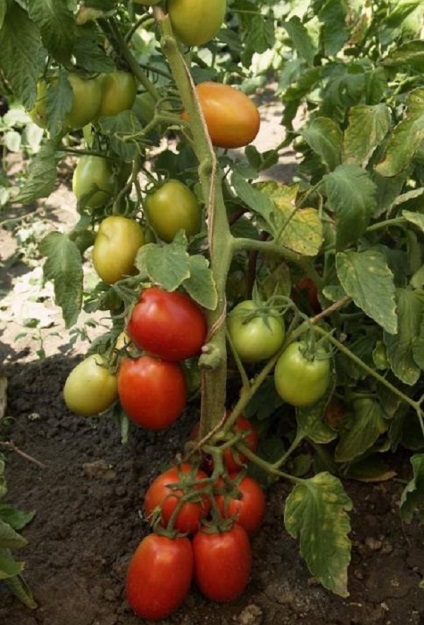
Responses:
[162,496]
[234,460]
[169,325]
[159,576]
[152,392]
[93,177]
[195,23]
[232,119]
[91,387]
[118,91]
[173,207]
[255,335]
[302,377]
[222,563]
[246,503]
[115,247]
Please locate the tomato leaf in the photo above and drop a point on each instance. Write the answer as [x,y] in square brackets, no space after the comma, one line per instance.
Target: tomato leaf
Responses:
[311,423]
[333,15]
[410,53]
[59,102]
[17,519]
[352,197]
[316,513]
[260,37]
[89,52]
[9,539]
[408,342]
[64,267]
[367,278]
[18,586]
[201,285]
[122,130]
[363,427]
[20,45]
[324,136]
[412,498]
[8,566]
[370,469]
[2,12]
[57,27]
[301,39]
[368,125]
[165,265]
[41,175]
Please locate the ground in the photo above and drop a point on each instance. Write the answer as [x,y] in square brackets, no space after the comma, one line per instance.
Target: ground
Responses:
[88,491]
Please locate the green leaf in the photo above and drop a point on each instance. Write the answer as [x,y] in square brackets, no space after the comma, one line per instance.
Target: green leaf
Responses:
[59,102]
[201,285]
[400,12]
[2,12]
[402,146]
[165,265]
[19,588]
[368,125]
[103,5]
[64,267]
[260,37]
[324,136]
[363,428]
[17,519]
[414,218]
[301,40]
[316,513]
[412,499]
[57,27]
[41,175]
[8,566]
[410,54]
[352,197]
[89,53]
[400,348]
[369,470]
[253,198]
[20,45]
[122,130]
[334,32]
[9,539]
[366,277]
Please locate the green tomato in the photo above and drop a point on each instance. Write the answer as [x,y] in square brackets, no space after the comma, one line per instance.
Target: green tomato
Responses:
[173,207]
[115,248]
[144,107]
[301,380]
[93,174]
[91,387]
[195,22]
[255,337]
[118,91]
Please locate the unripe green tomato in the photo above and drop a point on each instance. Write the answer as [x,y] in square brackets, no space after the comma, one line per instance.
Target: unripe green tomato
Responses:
[173,207]
[118,90]
[93,173]
[255,338]
[195,22]
[91,387]
[301,380]
[115,248]
[38,113]
[144,107]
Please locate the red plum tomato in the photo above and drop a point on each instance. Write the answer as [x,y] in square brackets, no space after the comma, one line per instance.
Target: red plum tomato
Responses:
[232,119]
[152,392]
[255,336]
[115,248]
[233,460]
[91,387]
[173,207]
[302,379]
[161,495]
[246,504]
[159,576]
[195,22]
[166,324]
[222,563]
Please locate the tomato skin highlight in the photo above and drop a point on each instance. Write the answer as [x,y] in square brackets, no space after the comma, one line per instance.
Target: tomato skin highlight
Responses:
[169,325]
[232,119]
[173,207]
[91,387]
[93,172]
[115,248]
[160,495]
[257,338]
[222,563]
[118,91]
[159,576]
[298,380]
[249,510]
[195,22]
[152,392]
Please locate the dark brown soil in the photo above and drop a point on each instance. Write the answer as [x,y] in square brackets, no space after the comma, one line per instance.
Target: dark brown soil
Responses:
[88,522]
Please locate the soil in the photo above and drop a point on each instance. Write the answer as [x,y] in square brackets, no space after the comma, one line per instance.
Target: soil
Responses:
[88,494]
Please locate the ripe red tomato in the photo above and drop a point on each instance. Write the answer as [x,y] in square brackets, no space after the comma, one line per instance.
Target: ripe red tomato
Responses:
[159,576]
[168,325]
[231,117]
[196,22]
[233,460]
[160,495]
[222,563]
[152,392]
[247,505]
